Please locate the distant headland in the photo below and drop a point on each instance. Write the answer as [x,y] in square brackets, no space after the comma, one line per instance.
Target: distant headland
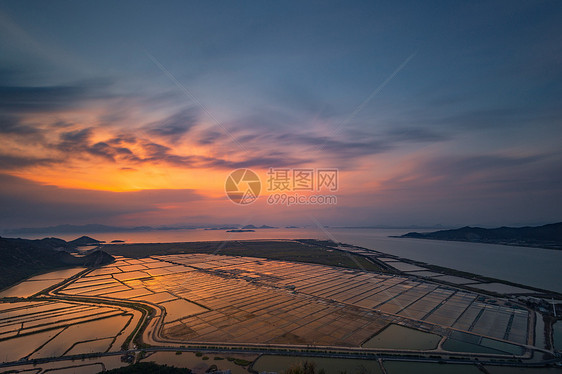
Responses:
[546,236]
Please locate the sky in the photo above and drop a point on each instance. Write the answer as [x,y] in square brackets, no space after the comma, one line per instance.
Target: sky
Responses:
[135,112]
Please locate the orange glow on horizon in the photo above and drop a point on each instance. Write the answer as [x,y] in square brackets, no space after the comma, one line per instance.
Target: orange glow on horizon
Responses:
[110,178]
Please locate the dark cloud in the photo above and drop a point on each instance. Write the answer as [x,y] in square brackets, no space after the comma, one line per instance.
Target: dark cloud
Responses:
[262,161]
[41,99]
[415,134]
[21,133]
[155,150]
[288,144]
[175,126]
[78,137]
[211,136]
[60,125]
[77,143]
[349,146]
[338,146]
[158,153]
[122,139]
[109,152]
[74,142]
[12,125]
[15,162]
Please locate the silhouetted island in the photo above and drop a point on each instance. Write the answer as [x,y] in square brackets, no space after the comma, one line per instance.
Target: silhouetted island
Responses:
[546,236]
[83,241]
[252,227]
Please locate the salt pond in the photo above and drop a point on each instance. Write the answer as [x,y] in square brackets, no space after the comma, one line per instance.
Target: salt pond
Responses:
[400,337]
[180,308]
[38,283]
[400,367]
[20,347]
[557,329]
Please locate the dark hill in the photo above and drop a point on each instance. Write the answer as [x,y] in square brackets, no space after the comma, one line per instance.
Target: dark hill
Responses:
[21,258]
[547,236]
[97,258]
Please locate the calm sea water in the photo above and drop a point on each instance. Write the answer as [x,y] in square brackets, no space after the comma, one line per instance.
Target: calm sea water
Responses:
[530,266]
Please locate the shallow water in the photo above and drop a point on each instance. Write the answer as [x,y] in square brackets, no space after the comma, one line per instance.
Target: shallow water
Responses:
[557,330]
[59,274]
[28,288]
[454,345]
[400,337]
[180,308]
[539,331]
[17,348]
[101,329]
[128,330]
[510,370]
[100,345]
[398,367]
[38,283]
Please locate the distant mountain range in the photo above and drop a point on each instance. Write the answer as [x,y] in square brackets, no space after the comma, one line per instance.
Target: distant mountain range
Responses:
[90,228]
[237,228]
[22,258]
[97,228]
[547,236]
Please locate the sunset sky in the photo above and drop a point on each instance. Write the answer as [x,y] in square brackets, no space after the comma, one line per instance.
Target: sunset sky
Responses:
[135,112]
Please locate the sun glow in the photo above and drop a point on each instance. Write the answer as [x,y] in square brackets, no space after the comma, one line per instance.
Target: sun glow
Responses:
[108,177]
